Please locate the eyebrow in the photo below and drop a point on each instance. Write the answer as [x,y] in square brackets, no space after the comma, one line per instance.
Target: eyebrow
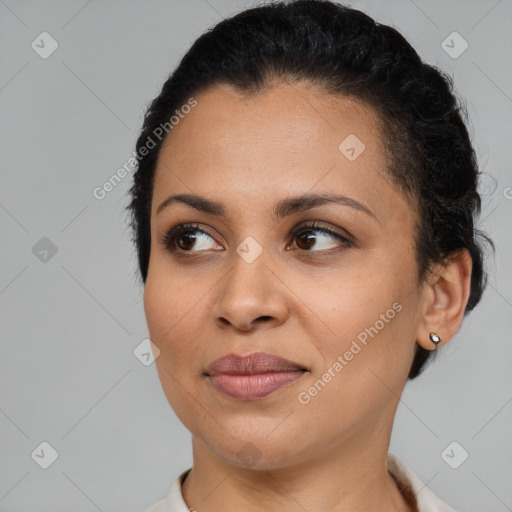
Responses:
[284,208]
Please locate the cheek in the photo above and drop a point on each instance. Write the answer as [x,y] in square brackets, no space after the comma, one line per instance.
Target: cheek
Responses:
[370,336]
[357,302]
[170,315]
[158,308]
[171,318]
[363,371]
[372,318]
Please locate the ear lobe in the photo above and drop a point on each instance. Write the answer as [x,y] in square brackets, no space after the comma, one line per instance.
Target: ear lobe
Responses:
[447,289]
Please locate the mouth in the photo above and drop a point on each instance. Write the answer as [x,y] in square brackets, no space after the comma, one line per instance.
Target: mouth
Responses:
[252,377]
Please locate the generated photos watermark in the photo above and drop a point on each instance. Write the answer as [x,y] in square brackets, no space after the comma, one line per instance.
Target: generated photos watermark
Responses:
[159,133]
[305,397]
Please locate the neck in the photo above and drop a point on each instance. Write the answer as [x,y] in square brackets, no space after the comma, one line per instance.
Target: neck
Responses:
[345,478]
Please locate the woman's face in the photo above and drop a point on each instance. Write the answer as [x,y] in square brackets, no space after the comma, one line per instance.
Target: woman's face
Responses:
[346,310]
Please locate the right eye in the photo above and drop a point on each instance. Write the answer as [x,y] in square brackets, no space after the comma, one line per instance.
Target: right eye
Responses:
[182,238]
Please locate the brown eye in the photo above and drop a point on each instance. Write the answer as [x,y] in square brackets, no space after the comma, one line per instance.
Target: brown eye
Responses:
[186,237]
[306,239]
[189,238]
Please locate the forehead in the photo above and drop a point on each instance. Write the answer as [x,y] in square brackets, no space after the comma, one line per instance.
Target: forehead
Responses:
[291,137]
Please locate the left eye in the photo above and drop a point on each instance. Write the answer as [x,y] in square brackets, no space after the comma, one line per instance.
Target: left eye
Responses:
[303,234]
[182,238]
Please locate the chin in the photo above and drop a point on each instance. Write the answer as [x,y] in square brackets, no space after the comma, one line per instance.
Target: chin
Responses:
[256,449]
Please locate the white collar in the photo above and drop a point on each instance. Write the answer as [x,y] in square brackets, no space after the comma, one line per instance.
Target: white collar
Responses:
[426,500]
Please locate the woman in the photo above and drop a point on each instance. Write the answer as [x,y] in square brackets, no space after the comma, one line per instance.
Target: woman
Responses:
[303,212]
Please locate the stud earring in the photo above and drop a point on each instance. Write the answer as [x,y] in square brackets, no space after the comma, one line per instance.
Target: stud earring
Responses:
[434,338]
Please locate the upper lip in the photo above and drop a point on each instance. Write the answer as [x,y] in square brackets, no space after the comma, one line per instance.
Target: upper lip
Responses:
[259,362]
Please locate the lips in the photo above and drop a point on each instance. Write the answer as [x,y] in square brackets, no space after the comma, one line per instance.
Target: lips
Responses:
[253,376]
[259,362]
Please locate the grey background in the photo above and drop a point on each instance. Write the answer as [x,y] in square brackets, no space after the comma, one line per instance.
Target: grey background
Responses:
[70,324]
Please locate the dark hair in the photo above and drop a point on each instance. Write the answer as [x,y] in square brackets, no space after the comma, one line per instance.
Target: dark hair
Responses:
[342,51]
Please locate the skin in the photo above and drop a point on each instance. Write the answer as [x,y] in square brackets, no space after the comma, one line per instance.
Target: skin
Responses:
[295,301]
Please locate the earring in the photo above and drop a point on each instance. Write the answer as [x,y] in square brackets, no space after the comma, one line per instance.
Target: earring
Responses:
[434,338]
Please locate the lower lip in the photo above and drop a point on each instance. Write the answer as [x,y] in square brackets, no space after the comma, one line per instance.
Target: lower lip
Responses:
[251,387]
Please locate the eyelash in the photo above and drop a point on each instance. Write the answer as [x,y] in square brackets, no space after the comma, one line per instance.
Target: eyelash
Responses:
[169,238]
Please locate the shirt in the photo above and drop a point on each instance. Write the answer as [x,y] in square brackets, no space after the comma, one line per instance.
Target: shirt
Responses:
[421,498]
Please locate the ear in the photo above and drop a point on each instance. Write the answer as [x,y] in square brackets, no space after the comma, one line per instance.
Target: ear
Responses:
[446,293]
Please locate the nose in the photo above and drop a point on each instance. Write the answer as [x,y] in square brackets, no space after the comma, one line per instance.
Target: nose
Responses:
[251,294]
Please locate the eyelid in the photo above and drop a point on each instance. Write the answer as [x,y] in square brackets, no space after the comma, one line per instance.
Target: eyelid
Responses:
[169,235]
[323,226]
[342,236]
